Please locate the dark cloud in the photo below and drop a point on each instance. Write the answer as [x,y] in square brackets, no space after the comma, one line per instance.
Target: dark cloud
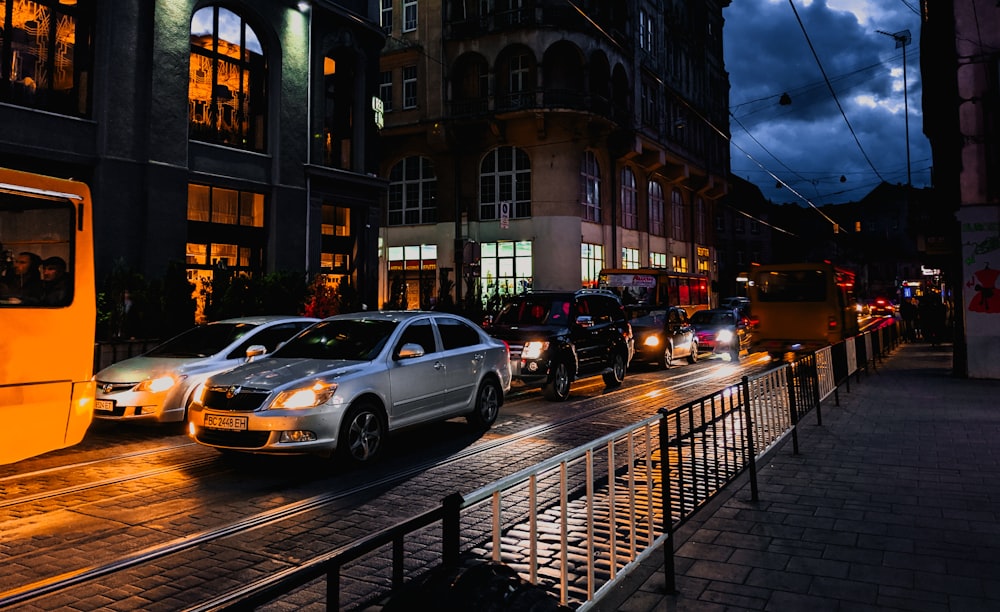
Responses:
[809,144]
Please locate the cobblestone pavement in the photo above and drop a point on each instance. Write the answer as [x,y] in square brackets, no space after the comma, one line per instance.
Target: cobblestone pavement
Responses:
[893,503]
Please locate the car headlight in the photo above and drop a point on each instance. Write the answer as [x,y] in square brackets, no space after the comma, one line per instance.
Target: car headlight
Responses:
[651,341]
[159,384]
[305,397]
[724,335]
[534,349]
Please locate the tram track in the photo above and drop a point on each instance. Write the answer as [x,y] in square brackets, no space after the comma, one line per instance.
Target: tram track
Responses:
[643,393]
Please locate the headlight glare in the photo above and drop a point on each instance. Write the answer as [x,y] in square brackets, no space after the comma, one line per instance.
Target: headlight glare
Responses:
[534,349]
[651,341]
[159,384]
[724,335]
[305,397]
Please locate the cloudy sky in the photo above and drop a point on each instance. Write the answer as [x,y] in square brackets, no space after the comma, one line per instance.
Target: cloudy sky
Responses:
[858,132]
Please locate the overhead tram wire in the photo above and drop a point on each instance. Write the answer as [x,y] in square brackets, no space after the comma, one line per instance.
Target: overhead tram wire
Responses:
[728,138]
[832,92]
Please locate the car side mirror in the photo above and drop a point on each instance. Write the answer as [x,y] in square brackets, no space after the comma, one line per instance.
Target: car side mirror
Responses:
[255,350]
[585,321]
[410,350]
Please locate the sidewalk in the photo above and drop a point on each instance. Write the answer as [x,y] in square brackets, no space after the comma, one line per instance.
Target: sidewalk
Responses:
[892,504]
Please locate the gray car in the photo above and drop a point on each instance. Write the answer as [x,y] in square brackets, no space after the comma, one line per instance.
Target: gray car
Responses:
[157,385]
[340,387]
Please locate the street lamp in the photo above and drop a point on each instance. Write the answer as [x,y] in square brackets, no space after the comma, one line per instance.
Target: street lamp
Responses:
[902,39]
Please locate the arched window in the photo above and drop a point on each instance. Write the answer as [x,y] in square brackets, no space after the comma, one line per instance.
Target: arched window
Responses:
[630,209]
[227,91]
[590,187]
[505,178]
[412,192]
[677,214]
[655,208]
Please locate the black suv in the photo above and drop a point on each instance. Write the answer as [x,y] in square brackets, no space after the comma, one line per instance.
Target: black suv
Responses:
[556,337]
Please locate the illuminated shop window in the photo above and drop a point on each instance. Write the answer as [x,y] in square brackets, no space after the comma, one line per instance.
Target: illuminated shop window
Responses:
[591,262]
[505,269]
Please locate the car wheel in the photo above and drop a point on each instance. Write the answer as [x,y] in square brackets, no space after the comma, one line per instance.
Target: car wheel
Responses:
[668,356]
[488,400]
[693,356]
[616,376]
[362,434]
[557,388]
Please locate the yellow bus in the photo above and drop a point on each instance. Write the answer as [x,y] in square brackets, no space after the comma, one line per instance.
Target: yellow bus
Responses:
[47,313]
[801,306]
[658,287]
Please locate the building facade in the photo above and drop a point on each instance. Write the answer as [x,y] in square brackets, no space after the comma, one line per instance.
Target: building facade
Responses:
[959,66]
[531,144]
[235,135]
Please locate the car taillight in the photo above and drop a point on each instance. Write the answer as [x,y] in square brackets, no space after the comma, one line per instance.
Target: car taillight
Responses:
[832,323]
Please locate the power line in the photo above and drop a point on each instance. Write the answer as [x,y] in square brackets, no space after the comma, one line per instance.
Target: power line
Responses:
[832,92]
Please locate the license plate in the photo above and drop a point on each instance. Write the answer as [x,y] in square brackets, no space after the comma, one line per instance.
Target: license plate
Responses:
[229,423]
[104,405]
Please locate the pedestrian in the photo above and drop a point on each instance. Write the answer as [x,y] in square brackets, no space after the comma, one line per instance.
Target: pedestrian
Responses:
[908,314]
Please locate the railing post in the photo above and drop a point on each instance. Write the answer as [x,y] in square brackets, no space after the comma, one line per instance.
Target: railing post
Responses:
[451,529]
[793,413]
[813,377]
[666,509]
[752,452]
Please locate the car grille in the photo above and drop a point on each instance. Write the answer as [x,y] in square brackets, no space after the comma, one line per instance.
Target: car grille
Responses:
[247,400]
[110,387]
[234,439]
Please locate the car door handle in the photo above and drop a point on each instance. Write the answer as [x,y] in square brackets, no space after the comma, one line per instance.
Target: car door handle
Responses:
[438,365]
[478,357]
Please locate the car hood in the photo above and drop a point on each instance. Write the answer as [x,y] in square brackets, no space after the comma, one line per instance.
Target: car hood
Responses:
[274,372]
[527,332]
[140,368]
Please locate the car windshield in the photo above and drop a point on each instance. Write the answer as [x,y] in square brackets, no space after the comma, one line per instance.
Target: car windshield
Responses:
[647,317]
[707,317]
[350,339]
[202,341]
[535,311]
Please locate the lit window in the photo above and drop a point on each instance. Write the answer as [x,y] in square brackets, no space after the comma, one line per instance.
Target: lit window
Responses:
[227,82]
[591,262]
[336,220]
[505,269]
[630,258]
[658,260]
[44,67]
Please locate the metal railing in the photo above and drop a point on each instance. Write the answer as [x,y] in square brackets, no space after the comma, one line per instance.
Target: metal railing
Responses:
[577,521]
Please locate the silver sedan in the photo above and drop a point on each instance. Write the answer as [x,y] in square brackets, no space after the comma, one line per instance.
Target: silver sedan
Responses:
[157,385]
[340,387]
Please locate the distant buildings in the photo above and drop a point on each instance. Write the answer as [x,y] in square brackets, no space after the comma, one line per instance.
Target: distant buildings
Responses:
[530,144]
